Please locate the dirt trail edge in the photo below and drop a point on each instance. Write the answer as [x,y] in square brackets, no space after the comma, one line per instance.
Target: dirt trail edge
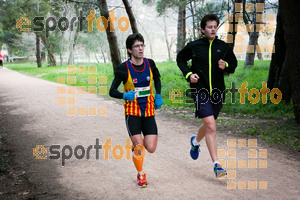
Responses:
[30,116]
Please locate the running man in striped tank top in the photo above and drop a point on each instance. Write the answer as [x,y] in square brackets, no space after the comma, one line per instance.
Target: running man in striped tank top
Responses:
[139,75]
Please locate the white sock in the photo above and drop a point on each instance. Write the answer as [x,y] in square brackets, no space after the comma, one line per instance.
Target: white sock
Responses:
[141,172]
[215,163]
[195,142]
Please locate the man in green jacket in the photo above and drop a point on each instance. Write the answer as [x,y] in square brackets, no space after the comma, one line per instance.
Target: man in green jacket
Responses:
[210,57]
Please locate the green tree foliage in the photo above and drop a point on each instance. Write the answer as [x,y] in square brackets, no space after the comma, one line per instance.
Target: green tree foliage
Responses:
[12,11]
[95,41]
[208,8]
[163,5]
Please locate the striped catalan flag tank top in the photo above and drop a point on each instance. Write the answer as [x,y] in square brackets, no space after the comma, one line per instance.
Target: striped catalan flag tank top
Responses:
[142,83]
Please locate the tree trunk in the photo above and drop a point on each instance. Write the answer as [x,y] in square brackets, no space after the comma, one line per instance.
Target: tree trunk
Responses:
[43,56]
[50,54]
[260,55]
[74,43]
[103,55]
[52,58]
[193,17]
[233,33]
[285,65]
[62,38]
[166,37]
[277,60]
[96,57]
[253,38]
[38,51]
[181,32]
[131,16]
[111,36]
[71,48]
[71,54]
[61,48]
[73,40]
[278,73]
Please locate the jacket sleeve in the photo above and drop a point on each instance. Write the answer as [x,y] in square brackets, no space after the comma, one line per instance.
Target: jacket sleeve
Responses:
[156,76]
[230,58]
[120,75]
[183,57]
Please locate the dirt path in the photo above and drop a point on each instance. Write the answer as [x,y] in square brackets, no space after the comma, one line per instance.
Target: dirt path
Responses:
[30,116]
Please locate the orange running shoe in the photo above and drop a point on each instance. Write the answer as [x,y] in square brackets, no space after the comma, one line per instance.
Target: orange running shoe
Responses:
[141,180]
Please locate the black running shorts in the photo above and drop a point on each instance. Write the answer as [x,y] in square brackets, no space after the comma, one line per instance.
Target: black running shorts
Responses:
[136,125]
[205,106]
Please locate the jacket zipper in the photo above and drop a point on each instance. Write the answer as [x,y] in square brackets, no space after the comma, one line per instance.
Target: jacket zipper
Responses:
[209,57]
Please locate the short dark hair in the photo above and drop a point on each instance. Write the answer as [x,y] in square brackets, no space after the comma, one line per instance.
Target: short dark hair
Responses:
[131,39]
[209,17]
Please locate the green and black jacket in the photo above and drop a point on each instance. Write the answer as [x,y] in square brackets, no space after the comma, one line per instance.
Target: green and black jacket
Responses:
[205,57]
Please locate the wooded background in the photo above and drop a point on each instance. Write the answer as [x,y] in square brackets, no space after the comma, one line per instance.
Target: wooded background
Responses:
[167,26]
